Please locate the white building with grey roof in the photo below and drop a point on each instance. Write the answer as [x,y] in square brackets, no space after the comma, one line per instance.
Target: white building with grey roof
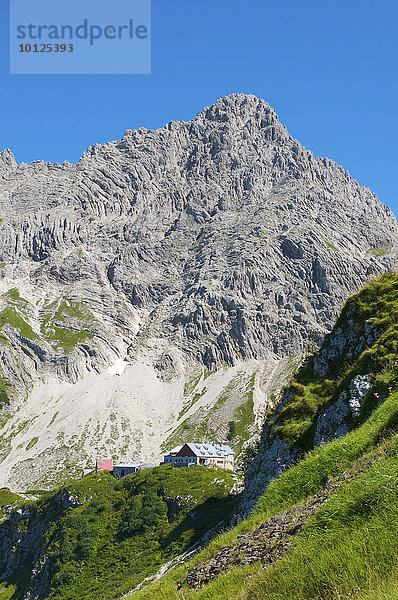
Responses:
[210,454]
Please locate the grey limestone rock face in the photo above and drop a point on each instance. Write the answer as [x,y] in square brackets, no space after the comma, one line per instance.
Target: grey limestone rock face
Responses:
[358,388]
[334,422]
[273,458]
[230,235]
[207,243]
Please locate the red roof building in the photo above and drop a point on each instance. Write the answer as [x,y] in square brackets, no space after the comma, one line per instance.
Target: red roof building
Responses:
[104,464]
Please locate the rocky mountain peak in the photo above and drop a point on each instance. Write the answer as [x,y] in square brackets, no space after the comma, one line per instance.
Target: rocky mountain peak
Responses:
[219,247]
[241,108]
[7,159]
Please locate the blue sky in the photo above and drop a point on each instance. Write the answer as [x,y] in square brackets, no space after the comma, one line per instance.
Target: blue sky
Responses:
[328,67]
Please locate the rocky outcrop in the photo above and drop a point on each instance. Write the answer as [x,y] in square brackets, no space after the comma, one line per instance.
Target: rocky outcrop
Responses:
[336,419]
[23,541]
[198,245]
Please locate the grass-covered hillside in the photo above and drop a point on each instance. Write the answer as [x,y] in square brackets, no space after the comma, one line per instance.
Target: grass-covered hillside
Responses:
[327,527]
[98,537]
[337,388]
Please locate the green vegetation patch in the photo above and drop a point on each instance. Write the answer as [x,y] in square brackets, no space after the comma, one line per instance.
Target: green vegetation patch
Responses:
[379,251]
[7,497]
[66,323]
[243,419]
[32,443]
[5,389]
[16,313]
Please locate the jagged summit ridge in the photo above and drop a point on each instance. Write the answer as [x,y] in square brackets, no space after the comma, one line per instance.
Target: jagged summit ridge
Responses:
[208,244]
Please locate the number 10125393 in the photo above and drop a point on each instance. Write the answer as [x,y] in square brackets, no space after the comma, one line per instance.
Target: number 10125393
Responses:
[45,48]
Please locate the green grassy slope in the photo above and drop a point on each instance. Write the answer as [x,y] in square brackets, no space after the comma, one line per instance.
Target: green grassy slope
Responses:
[348,549]
[100,537]
[66,323]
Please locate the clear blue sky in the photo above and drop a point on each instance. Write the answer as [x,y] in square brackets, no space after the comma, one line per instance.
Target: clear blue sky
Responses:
[328,67]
